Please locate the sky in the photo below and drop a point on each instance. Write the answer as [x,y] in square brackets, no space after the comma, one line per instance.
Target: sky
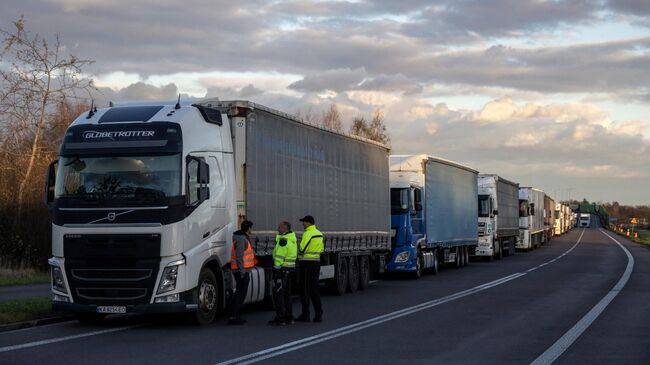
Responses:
[549,93]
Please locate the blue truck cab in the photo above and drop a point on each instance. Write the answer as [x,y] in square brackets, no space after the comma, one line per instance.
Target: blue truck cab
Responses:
[433,213]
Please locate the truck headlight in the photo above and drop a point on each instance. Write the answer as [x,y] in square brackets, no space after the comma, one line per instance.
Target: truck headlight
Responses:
[168,279]
[402,257]
[58,283]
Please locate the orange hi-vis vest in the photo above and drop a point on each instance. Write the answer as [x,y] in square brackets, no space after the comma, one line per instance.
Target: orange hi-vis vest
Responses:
[249,256]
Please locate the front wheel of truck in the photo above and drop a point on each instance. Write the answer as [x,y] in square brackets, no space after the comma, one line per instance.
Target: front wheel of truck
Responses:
[207,297]
[418,266]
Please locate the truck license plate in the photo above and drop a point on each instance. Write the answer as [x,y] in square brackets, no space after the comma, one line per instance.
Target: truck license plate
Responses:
[111,309]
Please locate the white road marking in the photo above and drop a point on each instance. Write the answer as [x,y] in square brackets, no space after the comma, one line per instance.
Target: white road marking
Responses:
[564,342]
[355,327]
[65,338]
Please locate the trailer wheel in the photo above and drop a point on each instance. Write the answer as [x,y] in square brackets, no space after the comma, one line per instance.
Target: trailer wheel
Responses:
[457,262]
[435,268]
[207,297]
[341,276]
[500,254]
[353,274]
[463,255]
[466,255]
[93,318]
[364,272]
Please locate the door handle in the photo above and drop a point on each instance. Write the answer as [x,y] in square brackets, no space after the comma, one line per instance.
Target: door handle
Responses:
[206,234]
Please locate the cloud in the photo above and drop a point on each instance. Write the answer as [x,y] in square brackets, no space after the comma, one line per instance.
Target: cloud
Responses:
[335,80]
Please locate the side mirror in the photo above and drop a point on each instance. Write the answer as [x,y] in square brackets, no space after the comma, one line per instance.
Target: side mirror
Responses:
[495,212]
[198,178]
[50,181]
[532,209]
[417,196]
[418,207]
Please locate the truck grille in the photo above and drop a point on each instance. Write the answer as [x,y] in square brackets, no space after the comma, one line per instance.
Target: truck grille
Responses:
[112,269]
[481,229]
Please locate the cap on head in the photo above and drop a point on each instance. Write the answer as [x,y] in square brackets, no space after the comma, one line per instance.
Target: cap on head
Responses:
[308,219]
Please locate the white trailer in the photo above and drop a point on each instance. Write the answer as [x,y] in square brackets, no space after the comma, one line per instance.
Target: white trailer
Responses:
[531,218]
[498,217]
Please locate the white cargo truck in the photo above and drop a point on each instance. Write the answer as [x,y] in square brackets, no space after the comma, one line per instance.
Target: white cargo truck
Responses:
[531,218]
[498,216]
[145,198]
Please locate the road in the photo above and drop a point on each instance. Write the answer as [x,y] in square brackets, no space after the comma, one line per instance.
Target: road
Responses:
[553,304]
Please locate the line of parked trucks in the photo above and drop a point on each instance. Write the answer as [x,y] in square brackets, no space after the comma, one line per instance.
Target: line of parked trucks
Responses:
[145,198]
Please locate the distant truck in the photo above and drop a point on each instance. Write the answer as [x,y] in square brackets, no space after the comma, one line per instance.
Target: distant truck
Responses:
[498,216]
[559,219]
[585,220]
[549,218]
[531,218]
[146,198]
[433,213]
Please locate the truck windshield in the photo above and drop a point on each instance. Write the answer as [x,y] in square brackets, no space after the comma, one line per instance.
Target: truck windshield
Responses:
[132,180]
[483,205]
[399,200]
[523,208]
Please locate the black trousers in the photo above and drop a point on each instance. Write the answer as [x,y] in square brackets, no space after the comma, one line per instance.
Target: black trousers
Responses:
[242,281]
[309,290]
[282,294]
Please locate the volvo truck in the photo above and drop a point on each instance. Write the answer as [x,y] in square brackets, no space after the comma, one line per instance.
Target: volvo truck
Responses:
[498,217]
[145,199]
[531,218]
[433,213]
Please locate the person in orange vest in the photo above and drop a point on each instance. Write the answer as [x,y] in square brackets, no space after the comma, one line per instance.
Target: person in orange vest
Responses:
[242,259]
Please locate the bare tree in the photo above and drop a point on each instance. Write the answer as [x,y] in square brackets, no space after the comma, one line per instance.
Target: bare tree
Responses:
[375,130]
[308,116]
[37,78]
[359,127]
[331,118]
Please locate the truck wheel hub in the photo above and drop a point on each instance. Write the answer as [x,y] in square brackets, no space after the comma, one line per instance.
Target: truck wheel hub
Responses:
[207,295]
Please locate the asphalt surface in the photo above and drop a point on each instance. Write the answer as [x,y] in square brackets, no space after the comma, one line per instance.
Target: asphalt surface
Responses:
[25,291]
[505,312]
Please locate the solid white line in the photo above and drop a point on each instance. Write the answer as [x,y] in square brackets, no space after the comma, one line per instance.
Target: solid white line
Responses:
[355,327]
[65,338]
[562,344]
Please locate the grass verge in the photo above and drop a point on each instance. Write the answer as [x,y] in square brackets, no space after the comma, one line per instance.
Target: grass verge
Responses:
[23,277]
[21,310]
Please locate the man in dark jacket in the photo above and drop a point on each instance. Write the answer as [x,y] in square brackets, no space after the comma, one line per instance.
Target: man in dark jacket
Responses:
[242,259]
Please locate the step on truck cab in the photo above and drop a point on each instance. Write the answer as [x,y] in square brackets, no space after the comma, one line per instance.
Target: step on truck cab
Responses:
[433,213]
[145,199]
[498,216]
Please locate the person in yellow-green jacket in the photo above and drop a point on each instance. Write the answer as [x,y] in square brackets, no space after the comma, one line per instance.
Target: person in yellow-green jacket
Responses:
[285,254]
[309,251]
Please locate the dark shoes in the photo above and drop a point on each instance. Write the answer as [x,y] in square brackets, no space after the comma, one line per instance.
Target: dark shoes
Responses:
[317,319]
[303,318]
[236,321]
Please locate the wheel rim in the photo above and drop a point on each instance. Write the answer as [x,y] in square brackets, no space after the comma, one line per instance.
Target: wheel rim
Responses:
[207,296]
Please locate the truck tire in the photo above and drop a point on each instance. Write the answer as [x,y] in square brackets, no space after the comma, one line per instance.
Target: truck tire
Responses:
[435,268]
[364,272]
[466,255]
[457,262]
[90,317]
[340,283]
[462,256]
[353,274]
[207,297]
[500,246]
[418,266]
